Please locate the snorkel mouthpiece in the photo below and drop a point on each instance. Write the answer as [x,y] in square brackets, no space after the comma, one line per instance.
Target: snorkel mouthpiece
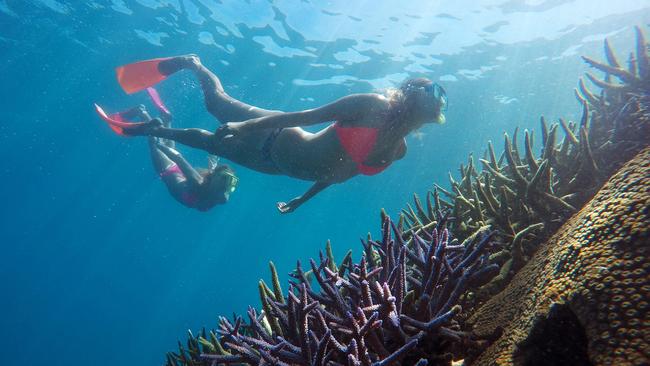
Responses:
[439,94]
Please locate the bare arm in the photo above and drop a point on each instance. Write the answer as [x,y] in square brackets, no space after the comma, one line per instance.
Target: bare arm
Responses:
[346,108]
[190,173]
[294,203]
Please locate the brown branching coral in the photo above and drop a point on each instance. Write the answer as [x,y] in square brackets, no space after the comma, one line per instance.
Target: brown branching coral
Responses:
[584,297]
[399,305]
[621,119]
[527,197]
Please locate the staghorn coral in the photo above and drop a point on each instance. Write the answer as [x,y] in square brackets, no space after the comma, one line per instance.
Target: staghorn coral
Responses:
[398,305]
[584,297]
[526,197]
[621,120]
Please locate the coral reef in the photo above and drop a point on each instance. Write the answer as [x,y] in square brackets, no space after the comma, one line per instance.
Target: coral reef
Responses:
[584,297]
[425,292]
[526,197]
[399,305]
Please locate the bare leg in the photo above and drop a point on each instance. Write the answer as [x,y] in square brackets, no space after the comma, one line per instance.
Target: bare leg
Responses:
[193,137]
[160,161]
[221,105]
[244,150]
[231,148]
[167,123]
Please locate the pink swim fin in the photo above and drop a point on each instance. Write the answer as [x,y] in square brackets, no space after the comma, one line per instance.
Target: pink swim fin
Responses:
[155,98]
[116,122]
[140,75]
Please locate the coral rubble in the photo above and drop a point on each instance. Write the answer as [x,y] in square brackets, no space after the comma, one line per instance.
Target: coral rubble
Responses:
[584,298]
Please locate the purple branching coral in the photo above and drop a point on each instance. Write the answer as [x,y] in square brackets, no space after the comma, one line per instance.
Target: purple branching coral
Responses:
[525,196]
[399,305]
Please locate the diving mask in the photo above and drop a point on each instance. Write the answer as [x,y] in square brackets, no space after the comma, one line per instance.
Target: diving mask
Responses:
[439,94]
[231,181]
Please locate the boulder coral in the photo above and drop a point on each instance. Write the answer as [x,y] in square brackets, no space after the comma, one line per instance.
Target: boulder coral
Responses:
[584,298]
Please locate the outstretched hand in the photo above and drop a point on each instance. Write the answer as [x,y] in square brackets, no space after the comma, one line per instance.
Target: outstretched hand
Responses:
[229,129]
[284,207]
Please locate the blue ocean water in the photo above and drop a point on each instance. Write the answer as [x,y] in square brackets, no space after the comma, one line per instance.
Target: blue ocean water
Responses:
[99,266]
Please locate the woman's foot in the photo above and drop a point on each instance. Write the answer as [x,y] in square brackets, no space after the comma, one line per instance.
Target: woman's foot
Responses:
[174,64]
[143,128]
[136,113]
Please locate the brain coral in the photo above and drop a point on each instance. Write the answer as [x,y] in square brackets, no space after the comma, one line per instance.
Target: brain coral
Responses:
[584,297]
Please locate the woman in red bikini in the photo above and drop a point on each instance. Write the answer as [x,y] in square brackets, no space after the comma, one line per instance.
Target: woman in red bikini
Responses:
[366,137]
[197,188]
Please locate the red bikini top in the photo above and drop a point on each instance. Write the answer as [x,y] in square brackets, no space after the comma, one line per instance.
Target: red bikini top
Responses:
[358,143]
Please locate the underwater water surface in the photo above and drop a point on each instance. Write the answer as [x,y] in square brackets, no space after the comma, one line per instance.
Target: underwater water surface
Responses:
[100,266]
